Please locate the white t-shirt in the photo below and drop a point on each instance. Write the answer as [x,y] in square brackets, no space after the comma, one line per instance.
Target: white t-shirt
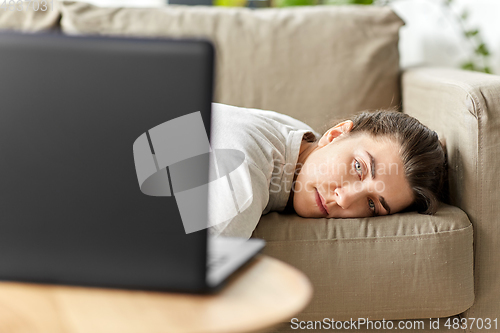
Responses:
[271,142]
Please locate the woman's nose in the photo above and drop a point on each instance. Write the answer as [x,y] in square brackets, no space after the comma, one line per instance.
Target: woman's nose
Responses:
[348,194]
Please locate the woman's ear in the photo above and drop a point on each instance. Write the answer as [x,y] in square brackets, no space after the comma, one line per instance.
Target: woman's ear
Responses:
[442,141]
[335,132]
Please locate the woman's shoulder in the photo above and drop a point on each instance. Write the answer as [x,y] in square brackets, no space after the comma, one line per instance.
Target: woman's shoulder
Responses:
[256,119]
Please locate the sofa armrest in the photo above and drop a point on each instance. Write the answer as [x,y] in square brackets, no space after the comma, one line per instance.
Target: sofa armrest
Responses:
[464,109]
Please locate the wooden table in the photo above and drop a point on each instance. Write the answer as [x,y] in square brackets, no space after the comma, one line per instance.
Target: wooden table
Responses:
[264,293]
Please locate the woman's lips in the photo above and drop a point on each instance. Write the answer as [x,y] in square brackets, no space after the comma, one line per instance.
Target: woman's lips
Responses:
[321,203]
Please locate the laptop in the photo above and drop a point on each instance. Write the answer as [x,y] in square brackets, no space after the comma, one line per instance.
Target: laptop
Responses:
[72,207]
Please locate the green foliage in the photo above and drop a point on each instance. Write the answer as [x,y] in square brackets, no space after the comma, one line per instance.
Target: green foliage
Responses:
[230,3]
[287,3]
[471,33]
[479,54]
[348,2]
[479,57]
[482,50]
[469,66]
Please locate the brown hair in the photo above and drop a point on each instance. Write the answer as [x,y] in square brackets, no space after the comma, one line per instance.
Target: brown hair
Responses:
[423,156]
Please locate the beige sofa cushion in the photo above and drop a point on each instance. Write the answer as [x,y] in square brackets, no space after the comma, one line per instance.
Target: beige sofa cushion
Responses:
[29,19]
[402,266]
[312,63]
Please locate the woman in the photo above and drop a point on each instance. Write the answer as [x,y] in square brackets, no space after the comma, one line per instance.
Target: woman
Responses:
[378,163]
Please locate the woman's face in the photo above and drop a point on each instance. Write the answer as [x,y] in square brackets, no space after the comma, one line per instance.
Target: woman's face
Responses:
[351,175]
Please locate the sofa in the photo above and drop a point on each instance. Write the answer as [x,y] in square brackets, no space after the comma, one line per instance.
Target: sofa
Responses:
[324,63]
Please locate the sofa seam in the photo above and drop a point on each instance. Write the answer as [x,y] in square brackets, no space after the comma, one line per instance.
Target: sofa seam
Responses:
[381,239]
[412,309]
[479,172]
[382,312]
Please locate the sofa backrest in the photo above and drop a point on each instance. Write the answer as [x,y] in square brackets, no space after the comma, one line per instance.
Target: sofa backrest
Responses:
[316,63]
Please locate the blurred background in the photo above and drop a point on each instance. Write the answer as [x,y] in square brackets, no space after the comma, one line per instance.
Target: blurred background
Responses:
[453,33]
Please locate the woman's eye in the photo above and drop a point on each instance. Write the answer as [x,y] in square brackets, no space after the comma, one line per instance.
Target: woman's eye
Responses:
[358,168]
[371,206]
